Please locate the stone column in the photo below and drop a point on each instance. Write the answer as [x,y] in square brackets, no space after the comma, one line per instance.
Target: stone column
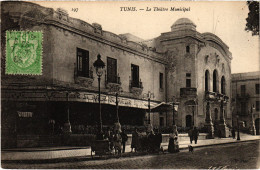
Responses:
[208,121]
[67,126]
[222,124]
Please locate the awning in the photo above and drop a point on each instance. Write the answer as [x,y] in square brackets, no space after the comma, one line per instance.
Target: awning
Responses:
[164,107]
[72,95]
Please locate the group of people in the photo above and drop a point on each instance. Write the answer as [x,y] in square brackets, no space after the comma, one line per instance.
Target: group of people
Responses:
[117,140]
[150,141]
[193,134]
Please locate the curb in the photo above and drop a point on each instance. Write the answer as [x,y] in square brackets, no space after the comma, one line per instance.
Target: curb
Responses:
[88,157]
[43,150]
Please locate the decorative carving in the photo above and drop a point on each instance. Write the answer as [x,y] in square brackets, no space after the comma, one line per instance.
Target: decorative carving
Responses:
[114,87]
[206,59]
[200,46]
[84,81]
[223,68]
[97,28]
[136,91]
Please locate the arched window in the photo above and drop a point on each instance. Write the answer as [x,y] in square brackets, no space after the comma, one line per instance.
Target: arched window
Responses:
[216,113]
[206,80]
[223,85]
[187,49]
[215,81]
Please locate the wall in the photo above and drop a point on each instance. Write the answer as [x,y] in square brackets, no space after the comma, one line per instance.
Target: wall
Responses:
[249,80]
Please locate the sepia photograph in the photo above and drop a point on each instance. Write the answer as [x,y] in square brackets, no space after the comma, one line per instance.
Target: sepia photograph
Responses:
[130,85]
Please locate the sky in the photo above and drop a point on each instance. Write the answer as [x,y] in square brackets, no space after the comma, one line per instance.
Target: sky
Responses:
[225,19]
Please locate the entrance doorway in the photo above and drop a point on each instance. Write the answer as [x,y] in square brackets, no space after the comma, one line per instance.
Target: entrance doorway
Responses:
[257,124]
[188,121]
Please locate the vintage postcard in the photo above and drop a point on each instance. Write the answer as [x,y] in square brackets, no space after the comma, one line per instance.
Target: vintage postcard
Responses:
[130,85]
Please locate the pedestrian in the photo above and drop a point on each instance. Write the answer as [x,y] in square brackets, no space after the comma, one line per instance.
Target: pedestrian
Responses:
[173,145]
[135,141]
[195,134]
[124,139]
[151,142]
[117,141]
[190,135]
[233,133]
[158,137]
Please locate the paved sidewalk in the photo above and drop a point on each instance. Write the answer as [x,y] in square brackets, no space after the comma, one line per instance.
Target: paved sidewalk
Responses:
[48,153]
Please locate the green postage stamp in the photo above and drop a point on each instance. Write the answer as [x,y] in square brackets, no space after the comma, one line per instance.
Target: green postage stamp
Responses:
[23,52]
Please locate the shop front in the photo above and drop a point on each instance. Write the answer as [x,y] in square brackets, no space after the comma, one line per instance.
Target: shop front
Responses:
[32,118]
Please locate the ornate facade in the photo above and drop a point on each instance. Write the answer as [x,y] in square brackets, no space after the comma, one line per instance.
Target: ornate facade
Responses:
[193,68]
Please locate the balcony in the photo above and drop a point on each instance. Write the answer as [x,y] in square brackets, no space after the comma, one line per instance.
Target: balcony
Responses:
[184,92]
[136,87]
[113,82]
[84,78]
[215,96]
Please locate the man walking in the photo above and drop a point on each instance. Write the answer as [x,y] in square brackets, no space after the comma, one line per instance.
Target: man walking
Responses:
[191,135]
[195,134]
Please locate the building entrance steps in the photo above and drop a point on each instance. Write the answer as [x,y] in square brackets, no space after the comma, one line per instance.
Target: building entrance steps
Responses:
[49,153]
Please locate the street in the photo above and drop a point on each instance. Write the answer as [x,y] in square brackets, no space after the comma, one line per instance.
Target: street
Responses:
[244,155]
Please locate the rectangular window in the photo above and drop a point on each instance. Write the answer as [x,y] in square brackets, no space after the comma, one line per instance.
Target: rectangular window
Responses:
[161,121]
[161,80]
[82,63]
[243,108]
[112,70]
[257,88]
[243,90]
[188,80]
[135,75]
[257,106]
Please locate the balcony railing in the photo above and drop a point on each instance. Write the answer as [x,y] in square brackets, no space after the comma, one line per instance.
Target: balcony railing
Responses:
[188,91]
[113,79]
[136,84]
[215,96]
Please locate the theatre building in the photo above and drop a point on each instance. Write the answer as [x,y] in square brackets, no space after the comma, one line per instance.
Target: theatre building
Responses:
[66,94]
[198,76]
[183,66]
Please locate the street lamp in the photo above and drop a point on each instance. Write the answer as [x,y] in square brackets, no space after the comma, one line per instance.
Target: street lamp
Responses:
[238,135]
[193,110]
[99,65]
[149,96]
[253,122]
[173,110]
[116,91]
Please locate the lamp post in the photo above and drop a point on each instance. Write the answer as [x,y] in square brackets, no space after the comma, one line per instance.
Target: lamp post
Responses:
[149,95]
[99,65]
[253,130]
[116,91]
[193,118]
[173,110]
[238,135]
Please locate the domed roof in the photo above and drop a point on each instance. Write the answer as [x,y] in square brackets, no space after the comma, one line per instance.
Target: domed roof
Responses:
[183,23]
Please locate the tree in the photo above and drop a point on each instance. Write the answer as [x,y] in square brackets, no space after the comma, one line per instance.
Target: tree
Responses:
[253,17]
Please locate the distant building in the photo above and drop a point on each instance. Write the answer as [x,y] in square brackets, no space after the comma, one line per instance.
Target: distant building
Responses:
[246,98]
[183,64]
